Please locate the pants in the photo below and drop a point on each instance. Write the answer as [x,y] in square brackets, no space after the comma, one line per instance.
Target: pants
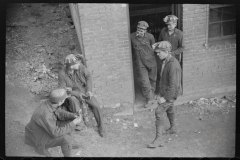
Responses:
[161,109]
[73,105]
[64,141]
[147,78]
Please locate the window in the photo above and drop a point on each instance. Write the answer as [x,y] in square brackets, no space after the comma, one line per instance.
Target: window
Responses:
[222,21]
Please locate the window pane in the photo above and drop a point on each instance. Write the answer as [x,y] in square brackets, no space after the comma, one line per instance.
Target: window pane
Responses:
[229,13]
[228,28]
[215,15]
[214,30]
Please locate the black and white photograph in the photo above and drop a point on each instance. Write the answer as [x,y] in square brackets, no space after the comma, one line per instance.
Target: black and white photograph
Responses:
[120,80]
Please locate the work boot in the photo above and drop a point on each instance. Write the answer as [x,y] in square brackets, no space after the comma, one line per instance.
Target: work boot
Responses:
[87,122]
[172,129]
[47,153]
[150,103]
[102,132]
[158,141]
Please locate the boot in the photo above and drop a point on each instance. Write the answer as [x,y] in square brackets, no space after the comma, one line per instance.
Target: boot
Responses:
[172,129]
[158,141]
[102,132]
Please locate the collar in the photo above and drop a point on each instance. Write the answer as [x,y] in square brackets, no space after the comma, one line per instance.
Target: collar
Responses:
[142,37]
[168,58]
[50,106]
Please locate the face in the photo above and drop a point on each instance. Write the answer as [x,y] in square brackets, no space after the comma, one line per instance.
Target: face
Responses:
[171,26]
[162,55]
[73,67]
[141,32]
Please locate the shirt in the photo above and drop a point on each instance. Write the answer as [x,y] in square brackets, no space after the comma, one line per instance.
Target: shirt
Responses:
[176,39]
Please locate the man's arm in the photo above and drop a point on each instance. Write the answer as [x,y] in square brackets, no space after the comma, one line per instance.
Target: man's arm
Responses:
[88,77]
[170,91]
[49,124]
[64,115]
[180,48]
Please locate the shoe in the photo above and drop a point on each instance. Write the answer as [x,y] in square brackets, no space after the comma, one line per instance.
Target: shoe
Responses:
[150,103]
[156,143]
[47,153]
[171,130]
[88,124]
[80,127]
[102,132]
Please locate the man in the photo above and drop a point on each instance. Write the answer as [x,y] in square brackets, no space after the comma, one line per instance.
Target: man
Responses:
[145,61]
[77,79]
[170,89]
[50,126]
[172,35]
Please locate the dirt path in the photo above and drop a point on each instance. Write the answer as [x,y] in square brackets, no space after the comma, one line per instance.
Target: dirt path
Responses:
[42,34]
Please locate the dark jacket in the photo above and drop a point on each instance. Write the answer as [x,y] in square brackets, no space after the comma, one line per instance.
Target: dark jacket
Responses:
[80,81]
[176,39]
[43,127]
[170,82]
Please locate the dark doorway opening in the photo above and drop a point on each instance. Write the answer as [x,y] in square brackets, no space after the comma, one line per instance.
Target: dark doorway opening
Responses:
[153,14]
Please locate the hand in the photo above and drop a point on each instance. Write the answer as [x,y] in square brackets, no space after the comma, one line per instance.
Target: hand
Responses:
[77,120]
[161,100]
[154,45]
[89,94]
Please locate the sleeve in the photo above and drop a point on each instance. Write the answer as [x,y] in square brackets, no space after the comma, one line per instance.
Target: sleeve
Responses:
[63,115]
[180,46]
[50,126]
[151,39]
[61,80]
[160,38]
[170,91]
[88,77]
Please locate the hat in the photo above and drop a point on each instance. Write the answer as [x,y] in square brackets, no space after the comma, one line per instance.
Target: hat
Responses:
[57,95]
[163,46]
[72,59]
[142,24]
[170,19]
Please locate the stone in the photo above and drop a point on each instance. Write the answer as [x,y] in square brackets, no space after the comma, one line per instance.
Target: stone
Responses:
[135,125]
[127,112]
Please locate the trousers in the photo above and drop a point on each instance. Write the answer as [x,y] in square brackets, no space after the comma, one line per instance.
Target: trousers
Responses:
[161,109]
[74,106]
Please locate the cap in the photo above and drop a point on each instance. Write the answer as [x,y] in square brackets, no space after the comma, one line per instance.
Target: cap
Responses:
[142,24]
[170,19]
[163,46]
[70,59]
[58,95]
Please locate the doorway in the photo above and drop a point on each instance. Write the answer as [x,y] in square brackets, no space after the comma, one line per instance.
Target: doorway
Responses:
[153,14]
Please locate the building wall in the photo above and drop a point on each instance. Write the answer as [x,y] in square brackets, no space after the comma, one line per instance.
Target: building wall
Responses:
[206,70]
[107,49]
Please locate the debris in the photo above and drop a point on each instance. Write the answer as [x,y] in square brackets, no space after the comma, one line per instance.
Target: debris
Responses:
[170,139]
[124,127]
[124,124]
[117,120]
[135,125]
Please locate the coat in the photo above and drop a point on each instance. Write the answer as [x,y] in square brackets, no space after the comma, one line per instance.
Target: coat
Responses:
[43,127]
[170,82]
[81,80]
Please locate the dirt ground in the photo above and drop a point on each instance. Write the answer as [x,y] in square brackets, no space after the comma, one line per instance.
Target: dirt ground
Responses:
[41,35]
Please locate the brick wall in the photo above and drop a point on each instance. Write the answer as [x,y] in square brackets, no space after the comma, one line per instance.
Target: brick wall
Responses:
[206,70]
[107,50]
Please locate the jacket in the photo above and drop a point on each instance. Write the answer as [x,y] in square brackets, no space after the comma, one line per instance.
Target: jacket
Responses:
[43,125]
[170,82]
[80,81]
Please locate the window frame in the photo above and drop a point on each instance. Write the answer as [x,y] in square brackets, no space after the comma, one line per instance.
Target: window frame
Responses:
[222,37]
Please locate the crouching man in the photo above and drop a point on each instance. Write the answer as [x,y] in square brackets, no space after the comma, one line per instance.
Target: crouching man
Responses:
[170,89]
[51,126]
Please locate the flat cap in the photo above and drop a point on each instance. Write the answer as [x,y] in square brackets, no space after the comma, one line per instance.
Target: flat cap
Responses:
[142,24]
[170,19]
[163,46]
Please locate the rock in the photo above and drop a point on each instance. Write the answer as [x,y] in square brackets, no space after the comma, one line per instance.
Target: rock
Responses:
[135,124]
[72,26]
[117,120]
[71,47]
[124,124]
[124,127]
[49,50]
